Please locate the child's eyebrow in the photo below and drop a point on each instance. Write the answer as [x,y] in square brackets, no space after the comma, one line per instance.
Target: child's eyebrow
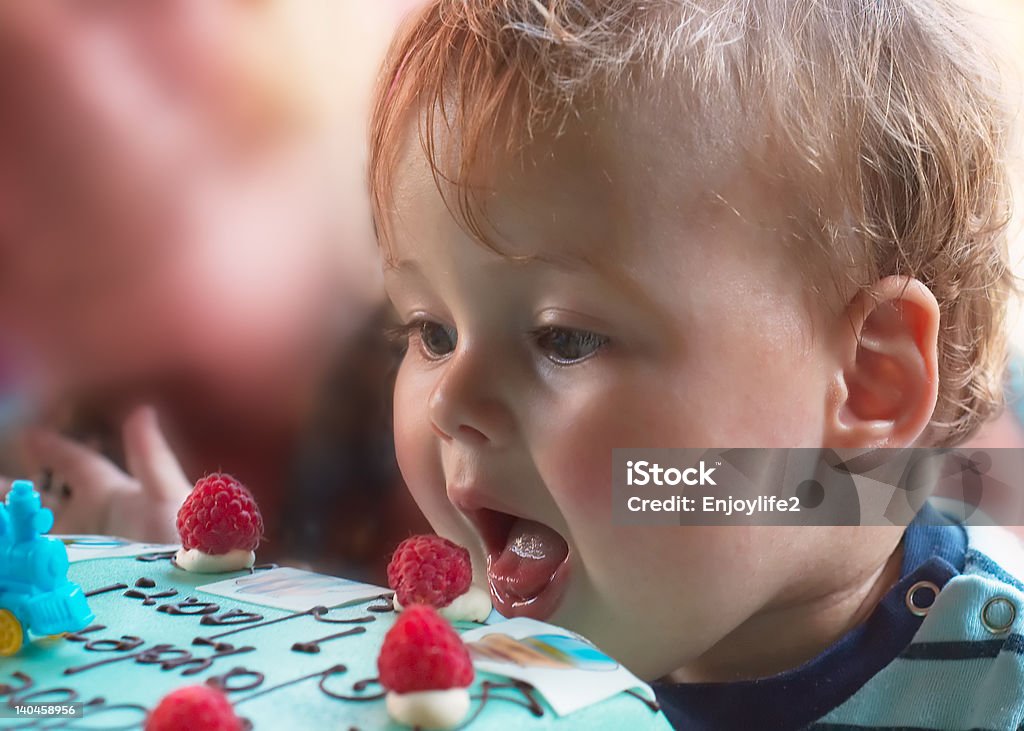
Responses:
[631,290]
[396,265]
[570,264]
[399,264]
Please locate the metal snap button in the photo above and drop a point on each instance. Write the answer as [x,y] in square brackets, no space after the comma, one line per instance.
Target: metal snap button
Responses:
[920,597]
[998,615]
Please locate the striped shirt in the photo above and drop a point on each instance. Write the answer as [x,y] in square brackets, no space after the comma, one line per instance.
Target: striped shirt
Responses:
[944,649]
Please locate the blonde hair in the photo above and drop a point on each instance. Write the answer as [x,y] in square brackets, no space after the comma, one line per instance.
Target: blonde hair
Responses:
[880,115]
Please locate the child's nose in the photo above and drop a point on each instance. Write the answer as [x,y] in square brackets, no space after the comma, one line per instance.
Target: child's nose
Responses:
[465,403]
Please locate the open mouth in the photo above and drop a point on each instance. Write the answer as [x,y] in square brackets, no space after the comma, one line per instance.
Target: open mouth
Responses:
[527,563]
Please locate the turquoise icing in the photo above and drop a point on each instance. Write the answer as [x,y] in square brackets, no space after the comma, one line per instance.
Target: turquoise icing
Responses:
[290,695]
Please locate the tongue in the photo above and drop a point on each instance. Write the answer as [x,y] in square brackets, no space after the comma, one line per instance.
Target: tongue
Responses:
[530,558]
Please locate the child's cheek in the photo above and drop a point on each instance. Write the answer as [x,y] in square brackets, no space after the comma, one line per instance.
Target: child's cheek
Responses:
[419,458]
[416,448]
[576,449]
[580,461]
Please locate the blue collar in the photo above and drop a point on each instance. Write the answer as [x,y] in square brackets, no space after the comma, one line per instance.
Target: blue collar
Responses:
[934,550]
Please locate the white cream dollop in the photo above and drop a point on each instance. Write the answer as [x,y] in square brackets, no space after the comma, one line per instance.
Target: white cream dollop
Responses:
[429,709]
[206,563]
[472,606]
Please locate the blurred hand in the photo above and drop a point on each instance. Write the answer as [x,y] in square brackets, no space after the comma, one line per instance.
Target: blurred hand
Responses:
[90,494]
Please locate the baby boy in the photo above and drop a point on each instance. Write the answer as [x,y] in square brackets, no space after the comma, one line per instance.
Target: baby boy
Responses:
[706,223]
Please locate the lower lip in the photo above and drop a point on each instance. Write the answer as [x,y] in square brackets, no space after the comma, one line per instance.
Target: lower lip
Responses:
[540,606]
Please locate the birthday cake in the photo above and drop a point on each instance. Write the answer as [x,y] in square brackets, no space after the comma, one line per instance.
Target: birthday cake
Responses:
[287,648]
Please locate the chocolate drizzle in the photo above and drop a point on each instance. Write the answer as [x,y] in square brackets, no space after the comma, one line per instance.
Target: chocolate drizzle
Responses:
[316,612]
[652,704]
[49,695]
[79,636]
[528,700]
[156,556]
[223,682]
[238,680]
[168,657]
[82,668]
[26,683]
[191,607]
[333,670]
[105,589]
[101,707]
[253,626]
[149,599]
[126,643]
[92,708]
[220,649]
[313,646]
[319,612]
[232,616]
[324,675]
[357,687]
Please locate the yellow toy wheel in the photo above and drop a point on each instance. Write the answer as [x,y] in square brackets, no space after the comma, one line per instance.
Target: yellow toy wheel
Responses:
[11,634]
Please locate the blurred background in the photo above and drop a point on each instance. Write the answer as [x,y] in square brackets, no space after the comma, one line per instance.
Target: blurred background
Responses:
[1003,22]
[184,223]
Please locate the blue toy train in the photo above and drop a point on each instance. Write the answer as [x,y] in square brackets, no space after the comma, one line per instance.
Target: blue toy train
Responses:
[35,594]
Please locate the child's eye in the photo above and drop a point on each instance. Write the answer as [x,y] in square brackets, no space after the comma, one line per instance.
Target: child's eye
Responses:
[566,347]
[438,340]
[435,340]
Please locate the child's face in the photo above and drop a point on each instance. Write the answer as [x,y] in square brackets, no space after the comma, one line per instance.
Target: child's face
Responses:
[636,323]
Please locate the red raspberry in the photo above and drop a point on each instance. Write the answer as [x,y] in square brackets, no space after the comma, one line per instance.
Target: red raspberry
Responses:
[423,652]
[429,570]
[193,708]
[220,515]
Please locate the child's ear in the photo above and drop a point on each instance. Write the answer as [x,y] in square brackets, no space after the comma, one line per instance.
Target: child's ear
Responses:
[885,385]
